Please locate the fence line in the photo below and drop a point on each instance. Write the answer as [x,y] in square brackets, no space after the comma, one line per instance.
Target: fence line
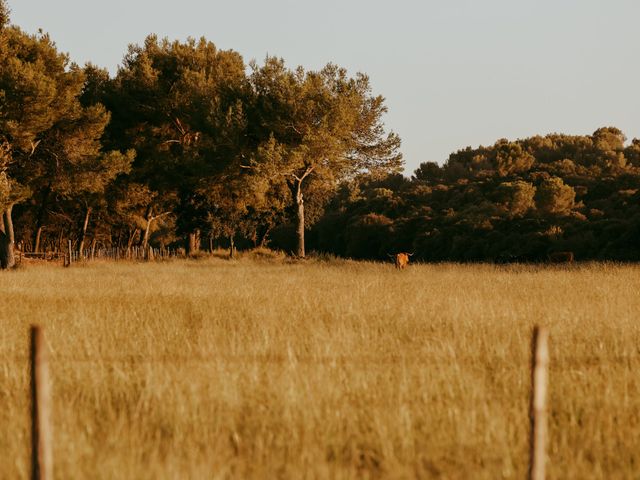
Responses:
[559,364]
[42,454]
[113,254]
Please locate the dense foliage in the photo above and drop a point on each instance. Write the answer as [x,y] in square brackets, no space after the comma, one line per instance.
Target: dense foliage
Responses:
[188,145]
[513,201]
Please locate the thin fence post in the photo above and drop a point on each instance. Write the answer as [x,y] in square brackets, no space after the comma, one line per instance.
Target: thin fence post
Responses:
[41,447]
[538,405]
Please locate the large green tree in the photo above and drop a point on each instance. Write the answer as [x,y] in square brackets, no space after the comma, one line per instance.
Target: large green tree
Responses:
[180,106]
[34,84]
[50,140]
[318,128]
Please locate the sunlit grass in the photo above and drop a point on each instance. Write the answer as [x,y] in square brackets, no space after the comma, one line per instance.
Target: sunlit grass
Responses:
[280,369]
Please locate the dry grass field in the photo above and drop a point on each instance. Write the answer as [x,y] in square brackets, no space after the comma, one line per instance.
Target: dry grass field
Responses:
[322,369]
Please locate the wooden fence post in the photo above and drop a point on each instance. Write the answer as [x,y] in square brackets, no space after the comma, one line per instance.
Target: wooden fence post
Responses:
[41,448]
[538,405]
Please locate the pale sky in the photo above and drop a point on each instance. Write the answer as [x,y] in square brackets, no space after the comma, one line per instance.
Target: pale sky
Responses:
[454,72]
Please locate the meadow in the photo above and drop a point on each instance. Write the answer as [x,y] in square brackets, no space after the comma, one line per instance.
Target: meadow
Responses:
[271,368]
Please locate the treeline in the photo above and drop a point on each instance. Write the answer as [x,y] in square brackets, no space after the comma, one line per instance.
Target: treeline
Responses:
[512,201]
[189,146]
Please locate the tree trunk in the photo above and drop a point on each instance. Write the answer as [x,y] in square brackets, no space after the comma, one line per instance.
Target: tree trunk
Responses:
[7,240]
[193,244]
[232,247]
[145,238]
[265,237]
[132,237]
[83,233]
[60,239]
[36,240]
[300,227]
[150,217]
[40,219]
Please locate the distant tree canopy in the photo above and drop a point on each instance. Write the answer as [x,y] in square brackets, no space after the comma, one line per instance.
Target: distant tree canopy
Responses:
[188,145]
[514,200]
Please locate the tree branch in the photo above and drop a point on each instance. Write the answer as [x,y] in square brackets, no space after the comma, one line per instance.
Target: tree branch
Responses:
[306,173]
[34,146]
[292,127]
[154,218]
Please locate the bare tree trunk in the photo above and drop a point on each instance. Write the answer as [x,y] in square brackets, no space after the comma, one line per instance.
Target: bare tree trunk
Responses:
[144,242]
[145,238]
[7,240]
[132,237]
[83,233]
[300,218]
[36,239]
[40,219]
[193,242]
[232,247]
[265,237]
[60,239]
[300,211]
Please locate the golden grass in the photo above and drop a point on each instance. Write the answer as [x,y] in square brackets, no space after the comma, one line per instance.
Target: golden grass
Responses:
[276,369]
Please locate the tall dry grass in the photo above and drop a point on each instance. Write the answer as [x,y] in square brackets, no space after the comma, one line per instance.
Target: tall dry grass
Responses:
[275,369]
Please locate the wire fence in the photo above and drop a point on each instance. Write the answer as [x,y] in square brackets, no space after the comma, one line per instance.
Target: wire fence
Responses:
[423,361]
[41,358]
[71,256]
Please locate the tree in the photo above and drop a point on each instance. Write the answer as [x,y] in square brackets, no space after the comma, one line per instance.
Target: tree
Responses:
[632,152]
[608,143]
[180,106]
[319,126]
[136,212]
[51,142]
[429,172]
[511,158]
[36,90]
[69,163]
[517,197]
[554,197]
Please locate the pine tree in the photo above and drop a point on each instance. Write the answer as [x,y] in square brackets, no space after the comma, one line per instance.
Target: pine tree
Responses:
[320,127]
[180,106]
[50,141]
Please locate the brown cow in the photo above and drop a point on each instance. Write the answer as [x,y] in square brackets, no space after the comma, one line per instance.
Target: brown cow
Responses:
[401,259]
[561,257]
